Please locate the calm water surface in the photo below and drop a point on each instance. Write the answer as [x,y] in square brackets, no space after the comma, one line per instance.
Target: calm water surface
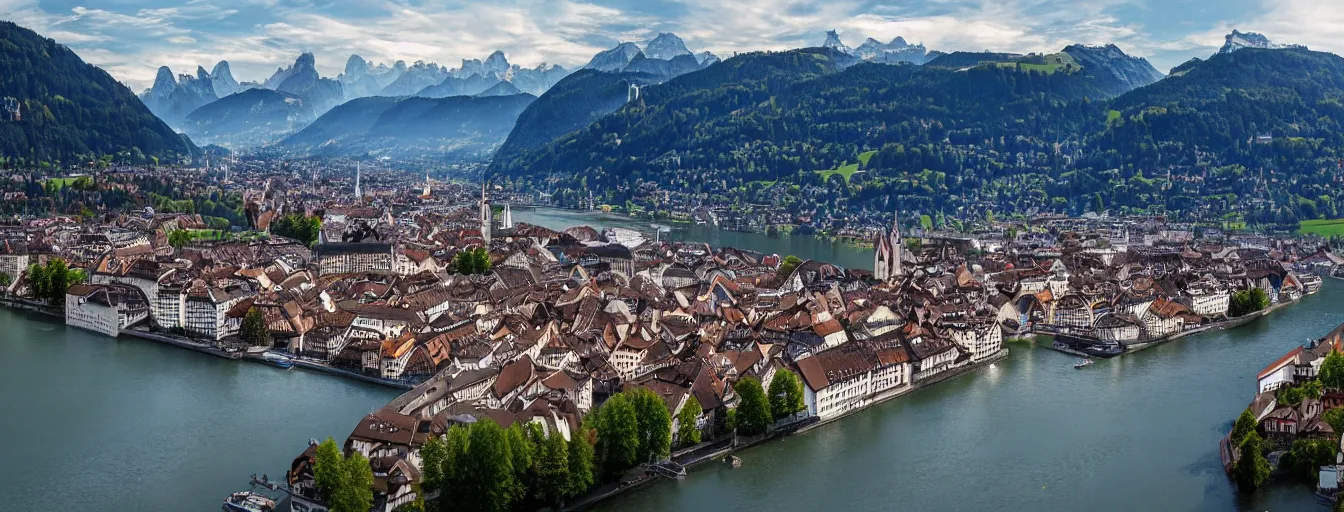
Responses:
[92,423]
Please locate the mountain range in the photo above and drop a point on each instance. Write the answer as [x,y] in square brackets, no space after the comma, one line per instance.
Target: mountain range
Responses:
[304,95]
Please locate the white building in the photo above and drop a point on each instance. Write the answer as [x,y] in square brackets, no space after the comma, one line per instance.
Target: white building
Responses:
[206,309]
[104,309]
[360,258]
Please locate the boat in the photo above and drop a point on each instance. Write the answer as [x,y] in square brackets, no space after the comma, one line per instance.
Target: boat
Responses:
[278,360]
[1088,346]
[248,501]
[1085,362]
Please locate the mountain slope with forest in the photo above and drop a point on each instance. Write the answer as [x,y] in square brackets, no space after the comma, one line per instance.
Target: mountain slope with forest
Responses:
[977,133]
[72,111]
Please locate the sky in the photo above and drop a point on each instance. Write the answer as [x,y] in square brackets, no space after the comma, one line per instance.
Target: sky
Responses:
[132,38]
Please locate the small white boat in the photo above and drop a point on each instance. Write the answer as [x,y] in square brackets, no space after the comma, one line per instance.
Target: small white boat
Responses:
[1083,363]
[248,501]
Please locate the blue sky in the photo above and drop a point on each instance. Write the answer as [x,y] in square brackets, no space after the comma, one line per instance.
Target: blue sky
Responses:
[131,38]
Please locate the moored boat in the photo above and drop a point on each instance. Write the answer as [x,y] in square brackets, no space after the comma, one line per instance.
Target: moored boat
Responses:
[248,501]
[1090,346]
[278,360]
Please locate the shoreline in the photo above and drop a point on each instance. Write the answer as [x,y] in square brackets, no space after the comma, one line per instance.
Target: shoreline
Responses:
[699,461]
[1229,323]
[44,313]
[788,430]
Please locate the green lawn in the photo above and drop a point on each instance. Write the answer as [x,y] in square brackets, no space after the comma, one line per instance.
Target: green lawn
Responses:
[1329,227]
[846,170]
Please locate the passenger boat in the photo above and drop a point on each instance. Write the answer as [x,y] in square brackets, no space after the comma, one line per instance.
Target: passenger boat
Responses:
[1090,346]
[248,501]
[278,360]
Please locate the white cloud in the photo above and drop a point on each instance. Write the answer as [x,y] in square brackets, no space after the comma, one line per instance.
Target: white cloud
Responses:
[256,36]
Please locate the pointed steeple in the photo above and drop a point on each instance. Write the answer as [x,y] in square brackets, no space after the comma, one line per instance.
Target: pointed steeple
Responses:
[358,194]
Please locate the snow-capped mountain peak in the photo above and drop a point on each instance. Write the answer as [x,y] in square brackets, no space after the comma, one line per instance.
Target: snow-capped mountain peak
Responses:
[833,42]
[616,58]
[666,46]
[1238,40]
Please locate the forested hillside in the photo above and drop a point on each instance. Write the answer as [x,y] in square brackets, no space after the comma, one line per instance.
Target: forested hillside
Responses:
[975,135]
[71,111]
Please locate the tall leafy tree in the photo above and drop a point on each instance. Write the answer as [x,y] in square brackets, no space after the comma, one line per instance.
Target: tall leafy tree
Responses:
[254,331]
[1332,370]
[581,469]
[553,479]
[433,458]
[1245,424]
[687,432]
[753,409]
[489,478]
[786,394]
[356,492]
[1252,468]
[617,435]
[329,472]
[655,424]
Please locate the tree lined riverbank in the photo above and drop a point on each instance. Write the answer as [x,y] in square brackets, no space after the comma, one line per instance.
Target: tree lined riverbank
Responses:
[1138,432]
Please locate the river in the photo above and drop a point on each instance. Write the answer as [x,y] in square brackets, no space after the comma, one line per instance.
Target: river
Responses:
[92,423]
[1138,432]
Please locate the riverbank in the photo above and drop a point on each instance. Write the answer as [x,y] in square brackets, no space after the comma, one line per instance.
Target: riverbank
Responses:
[718,449]
[1136,346]
[197,346]
[1038,435]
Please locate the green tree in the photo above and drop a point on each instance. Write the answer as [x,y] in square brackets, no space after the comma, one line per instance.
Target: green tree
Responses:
[455,484]
[1306,457]
[753,409]
[433,458]
[787,265]
[786,394]
[1335,418]
[5,280]
[687,432]
[521,451]
[581,469]
[179,238]
[553,480]
[356,492]
[489,480]
[1245,424]
[1312,389]
[39,282]
[1332,371]
[655,425]
[617,435]
[1291,395]
[329,473]
[1252,469]
[254,331]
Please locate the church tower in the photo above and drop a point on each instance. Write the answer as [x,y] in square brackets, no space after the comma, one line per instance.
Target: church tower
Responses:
[487,216]
[358,193]
[887,252]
